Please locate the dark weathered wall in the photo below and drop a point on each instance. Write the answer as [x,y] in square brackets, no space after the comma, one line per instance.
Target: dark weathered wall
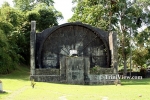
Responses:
[54,43]
[95,48]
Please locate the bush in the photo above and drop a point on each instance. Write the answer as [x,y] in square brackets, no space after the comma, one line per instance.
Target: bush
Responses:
[7,61]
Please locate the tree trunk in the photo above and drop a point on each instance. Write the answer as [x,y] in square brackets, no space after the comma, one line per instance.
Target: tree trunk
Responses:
[125,67]
[124,57]
[123,53]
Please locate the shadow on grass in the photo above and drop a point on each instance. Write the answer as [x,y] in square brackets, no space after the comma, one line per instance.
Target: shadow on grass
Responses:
[21,73]
[3,92]
[144,81]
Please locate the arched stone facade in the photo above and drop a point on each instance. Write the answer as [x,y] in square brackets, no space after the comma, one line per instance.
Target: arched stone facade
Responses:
[54,61]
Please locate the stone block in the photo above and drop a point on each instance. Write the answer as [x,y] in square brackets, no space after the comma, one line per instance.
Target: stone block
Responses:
[1,86]
[46,78]
[47,71]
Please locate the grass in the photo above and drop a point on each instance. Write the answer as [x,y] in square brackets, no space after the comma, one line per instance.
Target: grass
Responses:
[18,87]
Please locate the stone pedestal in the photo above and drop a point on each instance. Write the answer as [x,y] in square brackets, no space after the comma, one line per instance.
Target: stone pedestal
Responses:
[1,86]
[73,70]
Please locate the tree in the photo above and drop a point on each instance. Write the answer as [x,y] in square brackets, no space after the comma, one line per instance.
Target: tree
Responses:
[28,5]
[129,17]
[142,49]
[10,19]
[90,12]
[15,29]
[140,53]
[44,15]
[122,16]
[5,4]
[23,5]
[47,2]
[4,57]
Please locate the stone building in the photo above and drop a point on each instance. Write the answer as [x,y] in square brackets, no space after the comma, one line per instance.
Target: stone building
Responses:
[73,53]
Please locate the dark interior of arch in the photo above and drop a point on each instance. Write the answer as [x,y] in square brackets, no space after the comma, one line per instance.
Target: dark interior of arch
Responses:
[73,37]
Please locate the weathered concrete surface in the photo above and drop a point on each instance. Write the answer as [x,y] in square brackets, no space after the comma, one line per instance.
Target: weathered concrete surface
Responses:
[32,47]
[50,61]
[114,50]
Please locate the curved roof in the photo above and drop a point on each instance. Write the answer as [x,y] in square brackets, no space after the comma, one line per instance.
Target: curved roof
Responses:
[45,34]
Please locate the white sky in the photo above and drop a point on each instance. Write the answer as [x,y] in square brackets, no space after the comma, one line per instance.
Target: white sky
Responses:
[64,6]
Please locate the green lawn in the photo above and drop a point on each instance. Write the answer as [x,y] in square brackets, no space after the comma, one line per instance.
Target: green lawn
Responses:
[18,87]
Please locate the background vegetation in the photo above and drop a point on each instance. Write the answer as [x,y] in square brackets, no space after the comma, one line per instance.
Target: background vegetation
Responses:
[15,29]
[126,18]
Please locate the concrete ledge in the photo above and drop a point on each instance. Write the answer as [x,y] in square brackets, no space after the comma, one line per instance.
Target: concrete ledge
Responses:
[101,79]
[47,71]
[45,78]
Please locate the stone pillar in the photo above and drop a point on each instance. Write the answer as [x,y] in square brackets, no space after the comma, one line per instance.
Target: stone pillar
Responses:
[63,69]
[114,51]
[32,47]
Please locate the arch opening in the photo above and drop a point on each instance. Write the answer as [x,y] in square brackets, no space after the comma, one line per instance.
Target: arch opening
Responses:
[87,42]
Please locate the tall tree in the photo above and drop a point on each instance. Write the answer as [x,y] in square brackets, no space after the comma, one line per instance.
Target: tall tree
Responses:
[46,16]
[142,49]
[23,5]
[15,29]
[90,12]
[6,61]
[47,2]
[28,5]
[10,19]
[122,16]
[129,17]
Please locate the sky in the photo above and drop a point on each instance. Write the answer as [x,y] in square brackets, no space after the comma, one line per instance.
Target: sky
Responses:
[64,6]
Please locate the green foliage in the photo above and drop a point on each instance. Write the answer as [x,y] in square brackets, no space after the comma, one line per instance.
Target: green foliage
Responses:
[90,12]
[140,53]
[47,19]
[95,70]
[23,5]
[124,17]
[28,5]
[32,15]
[5,4]
[46,16]
[8,54]
[143,48]
[6,27]
[33,83]
[24,37]
[15,29]
[47,2]
[11,15]
[10,19]
[6,60]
